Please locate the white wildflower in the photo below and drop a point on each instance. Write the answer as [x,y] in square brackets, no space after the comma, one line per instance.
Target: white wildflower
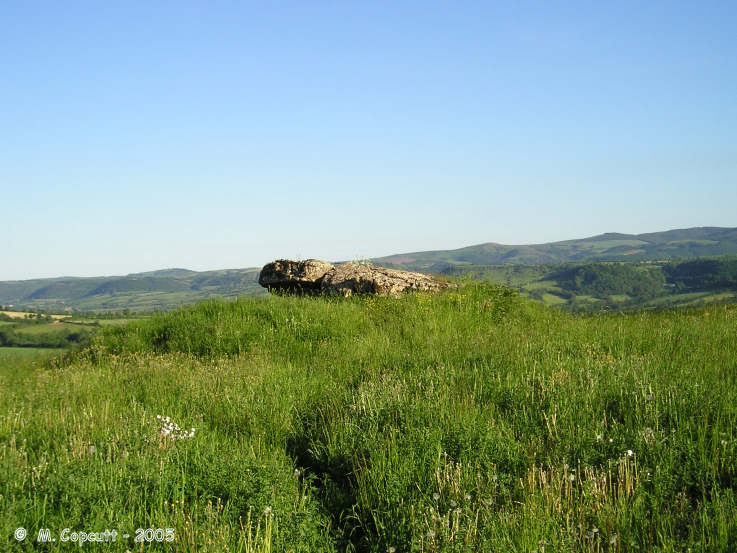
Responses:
[171,430]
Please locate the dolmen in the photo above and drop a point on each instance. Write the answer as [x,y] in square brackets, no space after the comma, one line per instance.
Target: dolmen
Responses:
[315,277]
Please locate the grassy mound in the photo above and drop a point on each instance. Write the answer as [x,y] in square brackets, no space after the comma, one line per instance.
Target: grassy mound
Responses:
[468,421]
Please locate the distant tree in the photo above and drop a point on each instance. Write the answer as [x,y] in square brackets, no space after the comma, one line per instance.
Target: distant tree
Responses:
[703,274]
[602,280]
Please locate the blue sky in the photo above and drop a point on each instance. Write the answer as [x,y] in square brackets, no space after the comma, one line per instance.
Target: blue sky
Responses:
[144,135]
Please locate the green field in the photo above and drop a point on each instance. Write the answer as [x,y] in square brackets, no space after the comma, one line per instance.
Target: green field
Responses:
[471,421]
[33,333]
[51,328]
[115,322]
[552,299]
[37,354]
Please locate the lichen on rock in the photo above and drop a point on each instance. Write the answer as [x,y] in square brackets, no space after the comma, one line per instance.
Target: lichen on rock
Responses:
[320,277]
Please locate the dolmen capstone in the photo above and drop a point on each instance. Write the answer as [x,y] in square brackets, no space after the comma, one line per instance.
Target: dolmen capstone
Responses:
[313,276]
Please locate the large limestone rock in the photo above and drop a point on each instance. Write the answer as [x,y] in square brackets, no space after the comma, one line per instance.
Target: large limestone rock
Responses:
[350,279]
[294,276]
[313,277]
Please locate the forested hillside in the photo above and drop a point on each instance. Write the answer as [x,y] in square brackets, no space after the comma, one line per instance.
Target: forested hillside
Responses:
[615,285]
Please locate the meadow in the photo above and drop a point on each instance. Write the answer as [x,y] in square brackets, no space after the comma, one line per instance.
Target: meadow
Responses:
[43,332]
[25,315]
[474,420]
[10,355]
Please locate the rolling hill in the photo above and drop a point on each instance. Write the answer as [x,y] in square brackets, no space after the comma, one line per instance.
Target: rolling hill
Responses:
[533,269]
[150,291]
[672,244]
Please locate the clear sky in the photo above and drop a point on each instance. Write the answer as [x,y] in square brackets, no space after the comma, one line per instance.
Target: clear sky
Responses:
[214,134]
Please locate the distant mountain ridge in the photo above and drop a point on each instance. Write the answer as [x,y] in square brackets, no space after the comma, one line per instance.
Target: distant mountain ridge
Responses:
[152,290]
[671,244]
[170,288]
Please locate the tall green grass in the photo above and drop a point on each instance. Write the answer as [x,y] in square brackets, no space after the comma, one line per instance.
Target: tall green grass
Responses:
[468,421]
